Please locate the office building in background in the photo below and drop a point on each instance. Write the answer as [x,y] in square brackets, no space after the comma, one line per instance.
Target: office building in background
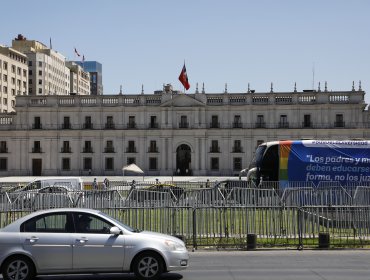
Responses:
[96,75]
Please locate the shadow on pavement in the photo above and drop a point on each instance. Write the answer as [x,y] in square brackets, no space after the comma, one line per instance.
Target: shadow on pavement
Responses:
[115,276]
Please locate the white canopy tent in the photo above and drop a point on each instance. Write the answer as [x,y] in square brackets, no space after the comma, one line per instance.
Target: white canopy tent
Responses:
[132,168]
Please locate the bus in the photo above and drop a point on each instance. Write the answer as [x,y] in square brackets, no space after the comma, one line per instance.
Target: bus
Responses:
[311,161]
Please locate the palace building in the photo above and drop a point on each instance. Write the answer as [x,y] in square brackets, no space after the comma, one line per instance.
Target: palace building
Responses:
[168,132]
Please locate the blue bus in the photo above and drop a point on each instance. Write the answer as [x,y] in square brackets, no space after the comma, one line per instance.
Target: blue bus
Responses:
[311,161]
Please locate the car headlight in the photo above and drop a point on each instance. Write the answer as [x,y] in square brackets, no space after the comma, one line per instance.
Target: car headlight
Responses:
[174,246]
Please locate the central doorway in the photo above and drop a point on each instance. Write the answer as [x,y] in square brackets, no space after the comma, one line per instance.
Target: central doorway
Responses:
[36,166]
[183,160]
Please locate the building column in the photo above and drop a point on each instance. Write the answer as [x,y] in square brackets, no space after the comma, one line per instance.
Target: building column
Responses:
[197,155]
[203,156]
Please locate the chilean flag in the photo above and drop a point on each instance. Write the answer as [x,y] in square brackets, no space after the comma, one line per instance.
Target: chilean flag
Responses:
[184,78]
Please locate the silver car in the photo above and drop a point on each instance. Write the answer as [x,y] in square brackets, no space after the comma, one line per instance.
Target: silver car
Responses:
[73,240]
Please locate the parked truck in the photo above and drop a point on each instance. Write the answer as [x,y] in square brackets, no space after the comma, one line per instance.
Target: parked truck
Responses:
[311,161]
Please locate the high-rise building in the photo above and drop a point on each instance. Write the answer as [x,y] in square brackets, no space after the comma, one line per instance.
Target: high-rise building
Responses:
[80,79]
[13,77]
[47,73]
[96,75]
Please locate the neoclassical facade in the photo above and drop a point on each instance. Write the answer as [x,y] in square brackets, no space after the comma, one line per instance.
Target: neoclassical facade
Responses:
[168,132]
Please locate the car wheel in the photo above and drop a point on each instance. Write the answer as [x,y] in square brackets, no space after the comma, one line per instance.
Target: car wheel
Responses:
[148,266]
[18,268]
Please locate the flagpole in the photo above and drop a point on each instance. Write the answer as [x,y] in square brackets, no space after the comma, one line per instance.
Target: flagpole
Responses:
[184,85]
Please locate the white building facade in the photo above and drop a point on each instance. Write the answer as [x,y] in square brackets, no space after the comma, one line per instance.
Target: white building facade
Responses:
[168,133]
[79,79]
[13,77]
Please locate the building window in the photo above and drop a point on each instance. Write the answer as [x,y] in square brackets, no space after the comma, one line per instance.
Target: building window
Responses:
[37,123]
[131,160]
[214,164]
[3,147]
[40,73]
[109,147]
[66,164]
[29,63]
[260,122]
[5,78]
[36,147]
[307,121]
[40,63]
[88,124]
[153,163]
[66,123]
[153,147]
[66,148]
[87,163]
[183,122]
[30,72]
[237,122]
[237,146]
[3,164]
[5,65]
[339,121]
[110,123]
[109,163]
[237,164]
[87,148]
[214,147]
[214,122]
[131,147]
[283,123]
[153,122]
[131,122]
[40,82]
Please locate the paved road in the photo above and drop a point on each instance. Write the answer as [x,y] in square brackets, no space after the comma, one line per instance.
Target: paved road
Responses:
[258,265]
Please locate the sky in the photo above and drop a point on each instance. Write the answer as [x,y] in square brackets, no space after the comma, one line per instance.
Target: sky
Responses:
[232,42]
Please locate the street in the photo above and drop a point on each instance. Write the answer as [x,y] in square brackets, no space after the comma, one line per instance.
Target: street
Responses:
[258,265]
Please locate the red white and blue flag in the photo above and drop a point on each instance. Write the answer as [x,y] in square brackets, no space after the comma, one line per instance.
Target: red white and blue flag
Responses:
[184,78]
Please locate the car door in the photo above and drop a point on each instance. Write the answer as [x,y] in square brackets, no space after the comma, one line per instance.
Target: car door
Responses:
[45,238]
[94,248]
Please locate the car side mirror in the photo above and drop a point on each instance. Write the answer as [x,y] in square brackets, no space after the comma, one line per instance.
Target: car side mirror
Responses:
[115,231]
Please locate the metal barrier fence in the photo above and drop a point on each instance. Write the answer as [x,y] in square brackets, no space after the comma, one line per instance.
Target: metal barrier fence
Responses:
[221,214]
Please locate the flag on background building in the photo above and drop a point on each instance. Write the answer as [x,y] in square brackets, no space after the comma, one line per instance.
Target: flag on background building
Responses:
[50,44]
[83,58]
[76,52]
[184,78]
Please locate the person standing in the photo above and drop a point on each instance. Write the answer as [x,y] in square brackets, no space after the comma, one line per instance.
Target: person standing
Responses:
[106,183]
[95,184]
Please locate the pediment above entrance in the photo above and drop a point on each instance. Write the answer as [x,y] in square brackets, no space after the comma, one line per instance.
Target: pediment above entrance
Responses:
[183,100]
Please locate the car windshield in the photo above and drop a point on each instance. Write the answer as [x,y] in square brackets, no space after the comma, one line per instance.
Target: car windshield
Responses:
[126,227]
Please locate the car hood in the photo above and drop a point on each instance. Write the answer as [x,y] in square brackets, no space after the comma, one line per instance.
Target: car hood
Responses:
[158,235]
